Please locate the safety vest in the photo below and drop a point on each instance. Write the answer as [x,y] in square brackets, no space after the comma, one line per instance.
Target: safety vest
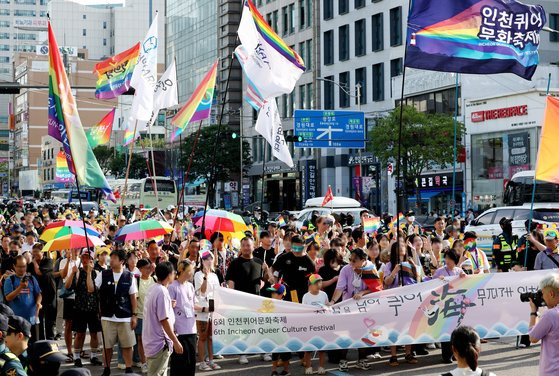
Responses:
[507,249]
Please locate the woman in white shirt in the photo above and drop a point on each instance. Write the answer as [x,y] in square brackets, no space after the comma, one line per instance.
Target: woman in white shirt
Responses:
[466,347]
[205,283]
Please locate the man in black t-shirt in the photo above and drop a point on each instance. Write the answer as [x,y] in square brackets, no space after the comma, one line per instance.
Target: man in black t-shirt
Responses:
[245,272]
[265,252]
[293,268]
[42,269]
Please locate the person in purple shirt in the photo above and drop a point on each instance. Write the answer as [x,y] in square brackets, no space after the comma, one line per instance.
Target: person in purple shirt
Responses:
[183,293]
[159,318]
[546,328]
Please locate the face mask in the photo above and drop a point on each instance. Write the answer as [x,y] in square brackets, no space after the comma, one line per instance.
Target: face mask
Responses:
[297,248]
[411,219]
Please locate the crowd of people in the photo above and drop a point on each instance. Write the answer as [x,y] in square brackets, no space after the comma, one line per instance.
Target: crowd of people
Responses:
[152,300]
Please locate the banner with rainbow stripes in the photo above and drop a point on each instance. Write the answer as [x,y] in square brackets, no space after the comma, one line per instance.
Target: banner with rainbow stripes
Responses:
[63,174]
[100,134]
[426,312]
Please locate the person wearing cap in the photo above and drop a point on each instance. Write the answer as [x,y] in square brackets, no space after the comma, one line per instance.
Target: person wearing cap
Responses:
[44,358]
[102,259]
[144,282]
[117,296]
[504,246]
[159,319]
[318,298]
[524,245]
[278,291]
[548,258]
[206,282]
[10,365]
[23,294]
[17,338]
[85,308]
[476,256]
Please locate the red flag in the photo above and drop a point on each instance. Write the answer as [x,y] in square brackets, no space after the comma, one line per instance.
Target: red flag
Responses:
[329,196]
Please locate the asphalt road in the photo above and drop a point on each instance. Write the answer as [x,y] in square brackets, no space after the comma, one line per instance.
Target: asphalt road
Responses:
[498,356]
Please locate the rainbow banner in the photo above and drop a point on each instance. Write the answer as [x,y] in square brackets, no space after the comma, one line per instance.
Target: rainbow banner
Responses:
[474,36]
[115,73]
[198,106]
[421,313]
[130,135]
[63,174]
[64,124]
[371,225]
[547,167]
[400,218]
[100,134]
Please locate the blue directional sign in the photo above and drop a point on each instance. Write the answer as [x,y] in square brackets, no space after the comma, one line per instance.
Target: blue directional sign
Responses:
[330,129]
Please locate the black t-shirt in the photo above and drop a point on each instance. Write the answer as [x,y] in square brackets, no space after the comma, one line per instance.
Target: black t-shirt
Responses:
[267,256]
[294,271]
[246,273]
[46,280]
[327,273]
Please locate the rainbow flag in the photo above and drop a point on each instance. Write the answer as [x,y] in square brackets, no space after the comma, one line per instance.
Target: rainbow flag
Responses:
[115,73]
[547,166]
[63,174]
[397,218]
[371,225]
[281,221]
[474,36]
[129,134]
[198,106]
[100,134]
[64,124]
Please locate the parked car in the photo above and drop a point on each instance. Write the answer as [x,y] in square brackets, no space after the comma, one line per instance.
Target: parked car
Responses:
[338,205]
[486,225]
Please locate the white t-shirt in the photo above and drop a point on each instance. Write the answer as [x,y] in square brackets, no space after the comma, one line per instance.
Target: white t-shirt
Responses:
[318,300]
[73,263]
[133,290]
[26,247]
[468,372]
[203,299]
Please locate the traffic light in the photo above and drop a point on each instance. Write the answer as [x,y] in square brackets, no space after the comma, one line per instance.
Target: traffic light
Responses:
[234,135]
[294,138]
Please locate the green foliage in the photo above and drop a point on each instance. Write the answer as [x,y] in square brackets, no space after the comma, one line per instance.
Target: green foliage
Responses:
[227,154]
[115,163]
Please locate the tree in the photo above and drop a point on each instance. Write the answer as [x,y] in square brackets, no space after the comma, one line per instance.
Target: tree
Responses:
[138,166]
[226,152]
[427,140]
[104,155]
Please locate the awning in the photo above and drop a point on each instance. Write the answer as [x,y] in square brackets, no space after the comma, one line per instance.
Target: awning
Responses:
[425,196]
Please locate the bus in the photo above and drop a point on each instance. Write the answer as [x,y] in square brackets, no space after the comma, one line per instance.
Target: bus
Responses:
[141,193]
[518,190]
[65,196]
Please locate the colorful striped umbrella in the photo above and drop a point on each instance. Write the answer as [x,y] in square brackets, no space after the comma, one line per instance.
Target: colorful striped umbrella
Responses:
[224,222]
[57,232]
[143,230]
[72,241]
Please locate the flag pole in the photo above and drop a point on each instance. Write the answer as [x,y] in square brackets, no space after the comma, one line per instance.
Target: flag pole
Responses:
[211,182]
[185,177]
[454,163]
[534,188]
[131,149]
[263,180]
[153,164]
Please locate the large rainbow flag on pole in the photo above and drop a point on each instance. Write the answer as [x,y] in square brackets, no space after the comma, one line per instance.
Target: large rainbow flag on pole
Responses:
[474,36]
[63,174]
[198,106]
[547,165]
[115,73]
[64,124]
[100,134]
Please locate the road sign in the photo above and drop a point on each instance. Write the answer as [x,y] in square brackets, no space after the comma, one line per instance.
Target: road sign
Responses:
[330,129]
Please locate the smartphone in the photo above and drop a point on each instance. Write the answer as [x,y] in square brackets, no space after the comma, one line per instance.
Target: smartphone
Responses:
[211,305]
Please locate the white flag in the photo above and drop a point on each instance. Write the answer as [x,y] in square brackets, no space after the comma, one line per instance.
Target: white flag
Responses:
[166,93]
[269,126]
[144,77]
[270,64]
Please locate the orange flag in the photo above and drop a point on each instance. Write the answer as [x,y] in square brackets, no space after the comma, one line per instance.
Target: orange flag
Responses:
[329,196]
[547,166]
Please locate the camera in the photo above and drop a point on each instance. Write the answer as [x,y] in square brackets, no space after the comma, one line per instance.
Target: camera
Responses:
[25,278]
[537,298]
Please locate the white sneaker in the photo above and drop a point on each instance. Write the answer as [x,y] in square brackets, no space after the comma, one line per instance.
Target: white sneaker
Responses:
[145,368]
[214,366]
[308,371]
[243,359]
[204,367]
[431,346]
[267,357]
[218,356]
[121,366]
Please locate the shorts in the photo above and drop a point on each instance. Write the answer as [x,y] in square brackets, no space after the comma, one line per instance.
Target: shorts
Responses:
[68,309]
[84,320]
[139,326]
[118,332]
[204,330]
[281,356]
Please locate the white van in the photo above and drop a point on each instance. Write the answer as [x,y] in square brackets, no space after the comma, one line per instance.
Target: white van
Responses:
[486,225]
[338,205]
